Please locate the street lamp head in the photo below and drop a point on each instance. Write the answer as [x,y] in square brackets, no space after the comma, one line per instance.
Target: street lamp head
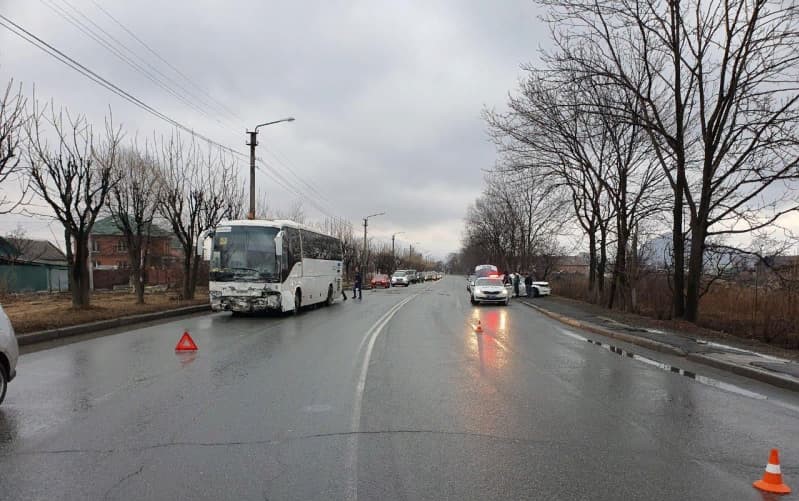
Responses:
[289,119]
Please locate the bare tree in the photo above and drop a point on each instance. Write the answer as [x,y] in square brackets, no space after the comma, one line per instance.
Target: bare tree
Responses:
[200,189]
[133,205]
[12,121]
[342,230]
[74,176]
[715,87]
[514,222]
[550,129]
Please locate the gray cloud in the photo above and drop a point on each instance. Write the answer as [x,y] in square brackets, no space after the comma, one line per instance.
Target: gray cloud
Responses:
[387,94]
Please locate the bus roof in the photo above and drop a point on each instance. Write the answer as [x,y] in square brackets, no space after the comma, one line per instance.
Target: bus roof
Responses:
[271,223]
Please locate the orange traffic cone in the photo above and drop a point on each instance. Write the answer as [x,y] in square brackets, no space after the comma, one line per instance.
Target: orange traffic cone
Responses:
[186,343]
[772,478]
[479,327]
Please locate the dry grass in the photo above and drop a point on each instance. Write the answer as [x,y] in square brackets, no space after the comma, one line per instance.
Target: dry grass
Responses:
[36,312]
[769,314]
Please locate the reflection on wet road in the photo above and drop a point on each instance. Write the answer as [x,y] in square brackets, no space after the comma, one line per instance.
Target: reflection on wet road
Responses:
[381,399]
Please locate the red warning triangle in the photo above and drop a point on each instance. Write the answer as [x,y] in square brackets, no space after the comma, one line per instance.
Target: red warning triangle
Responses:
[186,343]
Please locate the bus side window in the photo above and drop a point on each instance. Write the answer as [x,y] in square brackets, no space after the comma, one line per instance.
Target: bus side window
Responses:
[292,252]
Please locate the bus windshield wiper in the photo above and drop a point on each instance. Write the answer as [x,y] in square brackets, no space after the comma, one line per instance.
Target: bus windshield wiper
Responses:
[244,269]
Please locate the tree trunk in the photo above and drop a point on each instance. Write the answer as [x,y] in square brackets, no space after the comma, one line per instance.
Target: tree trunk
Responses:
[186,286]
[70,260]
[695,268]
[79,272]
[195,267]
[602,264]
[591,260]
[136,269]
[678,249]
[138,282]
[618,282]
[632,275]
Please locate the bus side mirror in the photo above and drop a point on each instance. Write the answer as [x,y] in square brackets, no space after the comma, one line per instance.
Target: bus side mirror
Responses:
[203,249]
[279,243]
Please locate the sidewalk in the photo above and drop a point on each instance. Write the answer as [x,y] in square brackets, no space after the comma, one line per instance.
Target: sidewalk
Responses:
[729,355]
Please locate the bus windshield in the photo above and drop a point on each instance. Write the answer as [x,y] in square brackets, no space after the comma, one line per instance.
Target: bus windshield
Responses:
[244,253]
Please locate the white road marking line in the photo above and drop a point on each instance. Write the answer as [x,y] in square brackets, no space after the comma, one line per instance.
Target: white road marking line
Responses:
[351,459]
[707,381]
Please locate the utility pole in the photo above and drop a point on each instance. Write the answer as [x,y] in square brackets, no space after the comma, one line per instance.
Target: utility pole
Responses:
[363,256]
[410,251]
[393,255]
[252,144]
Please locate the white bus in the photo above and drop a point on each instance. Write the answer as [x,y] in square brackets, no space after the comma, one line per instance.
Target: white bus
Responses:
[272,265]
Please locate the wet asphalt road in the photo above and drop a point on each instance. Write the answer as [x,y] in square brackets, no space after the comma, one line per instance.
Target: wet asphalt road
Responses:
[394,397]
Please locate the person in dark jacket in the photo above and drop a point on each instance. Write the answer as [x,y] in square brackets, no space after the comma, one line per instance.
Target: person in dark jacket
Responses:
[357,285]
[517,278]
[528,283]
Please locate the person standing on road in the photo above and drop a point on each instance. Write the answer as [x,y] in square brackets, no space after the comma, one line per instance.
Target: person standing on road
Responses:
[528,283]
[357,286]
[516,281]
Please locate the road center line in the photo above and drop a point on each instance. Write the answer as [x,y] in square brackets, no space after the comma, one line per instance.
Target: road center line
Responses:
[351,459]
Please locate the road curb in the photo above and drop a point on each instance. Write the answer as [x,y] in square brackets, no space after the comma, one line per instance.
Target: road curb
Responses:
[638,341]
[76,330]
[746,371]
[741,370]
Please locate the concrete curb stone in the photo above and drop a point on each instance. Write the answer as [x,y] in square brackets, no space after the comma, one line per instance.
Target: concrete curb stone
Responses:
[76,330]
[709,360]
[639,341]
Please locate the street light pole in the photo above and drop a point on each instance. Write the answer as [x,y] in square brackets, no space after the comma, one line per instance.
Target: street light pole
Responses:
[252,144]
[393,255]
[410,250]
[363,256]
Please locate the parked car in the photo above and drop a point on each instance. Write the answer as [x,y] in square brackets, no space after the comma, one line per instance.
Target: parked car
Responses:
[470,282]
[489,290]
[9,352]
[381,280]
[400,277]
[413,276]
[540,289]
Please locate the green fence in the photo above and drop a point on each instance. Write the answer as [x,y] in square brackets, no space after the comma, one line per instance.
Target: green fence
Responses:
[26,277]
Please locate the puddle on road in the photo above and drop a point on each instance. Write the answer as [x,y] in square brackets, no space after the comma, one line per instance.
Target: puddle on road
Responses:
[708,381]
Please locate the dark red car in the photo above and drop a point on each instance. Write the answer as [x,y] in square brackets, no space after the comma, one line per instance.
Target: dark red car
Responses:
[381,280]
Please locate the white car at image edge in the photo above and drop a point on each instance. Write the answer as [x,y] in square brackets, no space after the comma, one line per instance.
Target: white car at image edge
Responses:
[9,352]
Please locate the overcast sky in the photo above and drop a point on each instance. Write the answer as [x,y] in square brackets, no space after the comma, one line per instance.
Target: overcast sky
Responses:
[387,94]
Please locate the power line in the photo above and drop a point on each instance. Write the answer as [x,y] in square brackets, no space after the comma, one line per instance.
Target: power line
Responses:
[291,170]
[90,74]
[109,46]
[156,54]
[202,101]
[54,52]
[285,183]
[280,161]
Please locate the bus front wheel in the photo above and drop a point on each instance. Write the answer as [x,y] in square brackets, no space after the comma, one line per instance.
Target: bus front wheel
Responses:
[297,302]
[329,296]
